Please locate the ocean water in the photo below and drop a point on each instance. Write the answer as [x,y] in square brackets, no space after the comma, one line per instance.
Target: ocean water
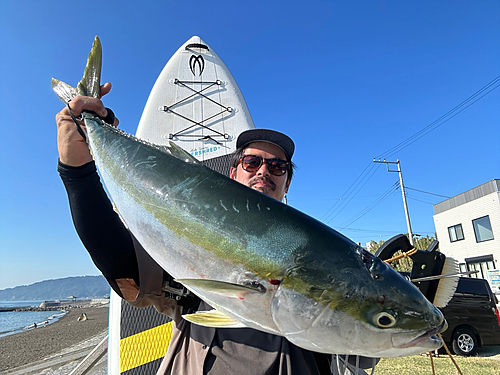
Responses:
[18,321]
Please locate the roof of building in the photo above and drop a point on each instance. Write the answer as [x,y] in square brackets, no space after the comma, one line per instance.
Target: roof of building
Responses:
[470,195]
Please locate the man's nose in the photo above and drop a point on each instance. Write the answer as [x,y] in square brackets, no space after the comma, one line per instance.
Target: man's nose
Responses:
[263,170]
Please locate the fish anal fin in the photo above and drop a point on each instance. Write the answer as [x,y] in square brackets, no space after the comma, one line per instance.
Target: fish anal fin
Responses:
[214,319]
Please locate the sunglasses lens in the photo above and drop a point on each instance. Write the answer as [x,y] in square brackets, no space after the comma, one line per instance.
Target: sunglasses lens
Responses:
[251,163]
[277,167]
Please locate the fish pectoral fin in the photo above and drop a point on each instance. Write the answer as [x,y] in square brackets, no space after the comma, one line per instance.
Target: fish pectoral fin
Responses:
[222,287]
[214,319]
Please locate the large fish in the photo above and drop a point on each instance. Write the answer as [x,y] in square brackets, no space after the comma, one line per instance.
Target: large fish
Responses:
[258,262]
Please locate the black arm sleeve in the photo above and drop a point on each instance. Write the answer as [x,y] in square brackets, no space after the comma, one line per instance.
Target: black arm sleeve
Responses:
[101,230]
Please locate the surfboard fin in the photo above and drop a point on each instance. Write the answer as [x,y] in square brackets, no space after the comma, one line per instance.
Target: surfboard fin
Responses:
[214,319]
[221,287]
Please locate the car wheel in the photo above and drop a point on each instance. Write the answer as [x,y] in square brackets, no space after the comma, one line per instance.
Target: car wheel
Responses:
[464,342]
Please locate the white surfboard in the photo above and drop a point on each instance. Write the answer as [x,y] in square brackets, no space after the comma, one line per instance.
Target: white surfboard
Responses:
[197,104]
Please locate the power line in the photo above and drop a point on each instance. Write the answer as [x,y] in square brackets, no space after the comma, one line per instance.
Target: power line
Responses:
[419,200]
[368,230]
[443,119]
[363,212]
[345,195]
[356,186]
[350,193]
[426,192]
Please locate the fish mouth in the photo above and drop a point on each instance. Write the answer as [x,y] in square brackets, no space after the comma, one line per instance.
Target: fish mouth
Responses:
[430,334]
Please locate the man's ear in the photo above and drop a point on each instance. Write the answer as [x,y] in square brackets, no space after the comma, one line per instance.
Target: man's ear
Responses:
[232,173]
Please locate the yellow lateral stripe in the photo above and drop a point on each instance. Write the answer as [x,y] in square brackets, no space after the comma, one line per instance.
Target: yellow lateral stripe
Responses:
[145,346]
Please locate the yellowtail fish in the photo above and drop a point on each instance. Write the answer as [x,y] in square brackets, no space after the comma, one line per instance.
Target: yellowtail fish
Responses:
[258,262]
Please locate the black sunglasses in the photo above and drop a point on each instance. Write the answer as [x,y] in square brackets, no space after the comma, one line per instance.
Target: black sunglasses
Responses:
[252,163]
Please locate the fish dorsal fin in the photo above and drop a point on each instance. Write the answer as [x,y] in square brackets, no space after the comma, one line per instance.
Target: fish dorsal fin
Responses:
[214,319]
[221,287]
[180,153]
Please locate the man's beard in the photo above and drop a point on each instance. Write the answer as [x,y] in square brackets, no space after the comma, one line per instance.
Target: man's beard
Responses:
[255,179]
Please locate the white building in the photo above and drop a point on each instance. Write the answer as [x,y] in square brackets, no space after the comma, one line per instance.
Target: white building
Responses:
[468,229]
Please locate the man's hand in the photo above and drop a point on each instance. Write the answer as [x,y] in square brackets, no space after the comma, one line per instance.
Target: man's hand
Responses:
[73,149]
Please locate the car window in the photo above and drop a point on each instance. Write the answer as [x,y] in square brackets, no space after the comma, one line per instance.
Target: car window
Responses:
[472,286]
[470,298]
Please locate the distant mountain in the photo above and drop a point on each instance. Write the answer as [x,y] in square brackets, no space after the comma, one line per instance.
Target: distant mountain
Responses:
[80,287]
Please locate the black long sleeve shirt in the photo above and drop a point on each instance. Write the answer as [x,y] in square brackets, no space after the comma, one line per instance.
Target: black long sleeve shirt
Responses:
[101,230]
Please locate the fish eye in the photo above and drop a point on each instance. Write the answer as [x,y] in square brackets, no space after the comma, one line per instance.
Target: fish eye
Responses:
[385,320]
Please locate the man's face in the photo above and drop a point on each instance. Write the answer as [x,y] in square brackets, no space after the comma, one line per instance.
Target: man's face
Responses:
[262,180]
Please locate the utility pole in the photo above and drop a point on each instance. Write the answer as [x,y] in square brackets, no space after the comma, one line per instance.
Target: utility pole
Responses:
[410,234]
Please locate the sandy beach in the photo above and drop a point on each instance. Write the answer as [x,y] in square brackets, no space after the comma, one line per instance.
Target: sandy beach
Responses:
[30,346]
[58,348]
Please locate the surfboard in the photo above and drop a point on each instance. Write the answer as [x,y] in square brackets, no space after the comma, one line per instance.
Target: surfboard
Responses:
[196,104]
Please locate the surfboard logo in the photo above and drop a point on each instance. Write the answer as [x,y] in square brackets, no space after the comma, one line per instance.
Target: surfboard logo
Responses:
[197,61]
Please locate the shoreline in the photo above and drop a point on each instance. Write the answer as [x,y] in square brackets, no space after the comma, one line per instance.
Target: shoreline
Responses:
[26,347]
[55,317]
[52,305]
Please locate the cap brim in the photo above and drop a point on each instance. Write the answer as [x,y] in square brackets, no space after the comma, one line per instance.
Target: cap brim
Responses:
[267,135]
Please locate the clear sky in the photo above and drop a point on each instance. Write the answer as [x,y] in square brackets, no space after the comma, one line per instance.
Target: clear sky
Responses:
[347,80]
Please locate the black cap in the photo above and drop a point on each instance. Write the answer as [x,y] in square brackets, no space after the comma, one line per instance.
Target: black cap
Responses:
[267,135]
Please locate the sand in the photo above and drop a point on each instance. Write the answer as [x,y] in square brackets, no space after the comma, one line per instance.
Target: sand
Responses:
[30,346]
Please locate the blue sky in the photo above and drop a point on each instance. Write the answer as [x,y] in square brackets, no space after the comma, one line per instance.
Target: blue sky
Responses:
[347,80]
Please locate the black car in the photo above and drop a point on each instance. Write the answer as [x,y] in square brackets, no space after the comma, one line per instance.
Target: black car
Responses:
[472,316]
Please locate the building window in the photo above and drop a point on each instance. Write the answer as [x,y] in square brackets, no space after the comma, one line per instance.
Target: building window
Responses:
[481,265]
[482,229]
[456,233]
[463,267]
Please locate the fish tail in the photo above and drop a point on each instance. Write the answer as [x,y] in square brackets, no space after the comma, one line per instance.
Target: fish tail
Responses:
[90,84]
[64,91]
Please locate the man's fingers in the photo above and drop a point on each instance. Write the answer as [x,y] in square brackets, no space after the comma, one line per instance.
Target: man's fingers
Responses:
[105,89]
[80,103]
[63,117]
[77,103]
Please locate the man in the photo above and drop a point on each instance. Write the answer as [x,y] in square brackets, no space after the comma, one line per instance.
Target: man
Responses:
[262,162]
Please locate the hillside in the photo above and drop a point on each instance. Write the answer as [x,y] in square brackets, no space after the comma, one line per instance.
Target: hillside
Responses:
[80,287]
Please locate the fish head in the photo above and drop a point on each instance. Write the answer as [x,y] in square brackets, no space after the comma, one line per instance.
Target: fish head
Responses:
[366,309]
